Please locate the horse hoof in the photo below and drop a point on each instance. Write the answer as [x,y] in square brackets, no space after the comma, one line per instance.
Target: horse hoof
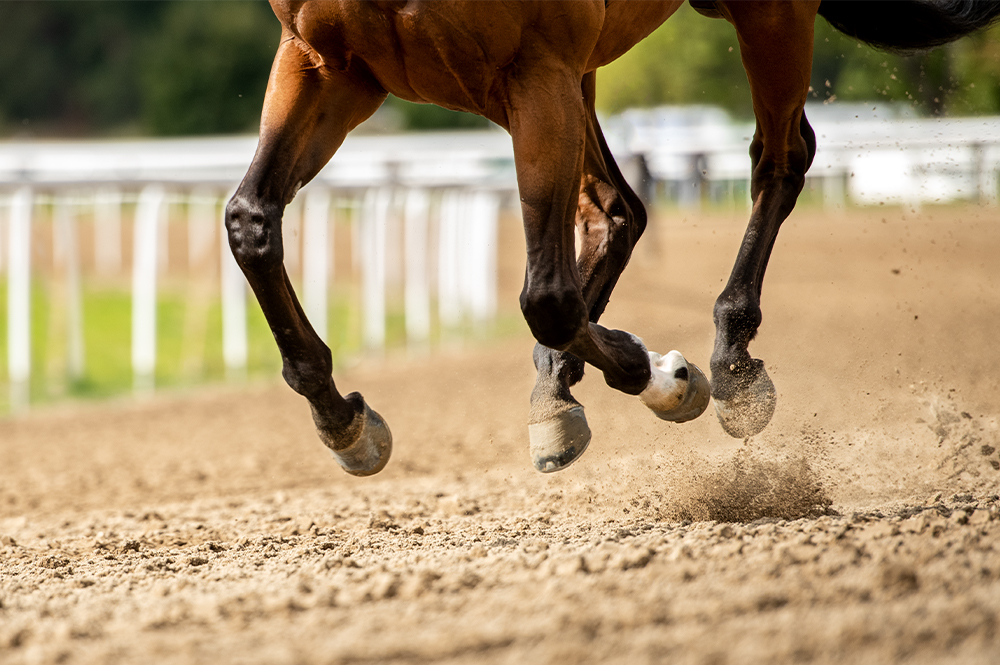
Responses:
[557,442]
[748,411]
[371,450]
[678,391]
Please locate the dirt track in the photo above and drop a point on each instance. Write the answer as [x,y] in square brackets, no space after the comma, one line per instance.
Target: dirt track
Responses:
[862,526]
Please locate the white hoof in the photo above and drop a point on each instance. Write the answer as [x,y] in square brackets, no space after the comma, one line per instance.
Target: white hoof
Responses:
[371,450]
[557,442]
[747,413]
[678,391]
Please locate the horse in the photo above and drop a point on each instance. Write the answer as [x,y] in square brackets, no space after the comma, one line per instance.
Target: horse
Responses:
[530,66]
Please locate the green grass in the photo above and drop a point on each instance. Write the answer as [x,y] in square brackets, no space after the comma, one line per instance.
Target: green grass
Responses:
[107,336]
[188,354]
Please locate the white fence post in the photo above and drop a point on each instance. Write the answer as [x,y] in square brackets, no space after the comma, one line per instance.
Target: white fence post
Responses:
[108,231]
[202,222]
[201,218]
[144,269]
[67,257]
[4,217]
[986,177]
[449,243]
[234,309]
[19,298]
[316,259]
[417,289]
[374,227]
[481,256]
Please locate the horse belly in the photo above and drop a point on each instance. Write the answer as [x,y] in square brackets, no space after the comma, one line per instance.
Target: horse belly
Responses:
[454,54]
[447,53]
[626,23]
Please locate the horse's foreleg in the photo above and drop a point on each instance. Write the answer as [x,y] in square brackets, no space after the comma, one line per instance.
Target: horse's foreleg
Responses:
[776,40]
[609,220]
[308,110]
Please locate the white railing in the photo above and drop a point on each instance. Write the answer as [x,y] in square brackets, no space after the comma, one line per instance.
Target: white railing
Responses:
[421,211]
[861,158]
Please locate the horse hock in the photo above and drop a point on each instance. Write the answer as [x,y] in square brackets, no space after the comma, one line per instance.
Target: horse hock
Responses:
[363,447]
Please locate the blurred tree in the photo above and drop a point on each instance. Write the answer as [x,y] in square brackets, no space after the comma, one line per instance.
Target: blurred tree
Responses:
[182,67]
[845,69]
[690,59]
[69,67]
[429,116]
[152,67]
[204,69]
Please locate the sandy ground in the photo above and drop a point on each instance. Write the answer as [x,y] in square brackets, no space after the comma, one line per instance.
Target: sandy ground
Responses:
[862,526]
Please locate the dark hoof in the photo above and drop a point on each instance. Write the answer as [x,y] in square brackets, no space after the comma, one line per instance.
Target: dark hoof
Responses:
[369,443]
[557,442]
[748,411]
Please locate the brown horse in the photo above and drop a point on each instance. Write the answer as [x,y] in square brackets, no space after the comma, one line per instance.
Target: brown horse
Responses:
[530,67]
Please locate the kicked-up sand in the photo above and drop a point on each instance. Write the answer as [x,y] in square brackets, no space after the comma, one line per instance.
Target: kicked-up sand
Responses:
[862,526]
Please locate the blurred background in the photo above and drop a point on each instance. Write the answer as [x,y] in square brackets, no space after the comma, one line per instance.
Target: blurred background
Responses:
[155,68]
[114,275]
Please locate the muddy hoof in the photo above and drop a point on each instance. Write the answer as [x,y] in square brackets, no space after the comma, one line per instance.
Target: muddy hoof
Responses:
[557,442]
[678,391]
[749,410]
[368,441]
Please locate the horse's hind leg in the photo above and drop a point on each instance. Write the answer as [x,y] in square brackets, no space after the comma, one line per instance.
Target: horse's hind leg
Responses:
[776,40]
[308,110]
[610,218]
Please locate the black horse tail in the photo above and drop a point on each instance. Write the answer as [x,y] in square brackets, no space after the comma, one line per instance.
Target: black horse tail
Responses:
[909,25]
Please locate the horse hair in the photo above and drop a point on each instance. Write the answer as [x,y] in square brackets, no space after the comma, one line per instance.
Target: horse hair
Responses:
[909,26]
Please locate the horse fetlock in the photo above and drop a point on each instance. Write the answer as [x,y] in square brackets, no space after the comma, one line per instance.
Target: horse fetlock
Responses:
[630,373]
[736,312]
[565,367]
[364,445]
[555,318]
[309,377]
[677,391]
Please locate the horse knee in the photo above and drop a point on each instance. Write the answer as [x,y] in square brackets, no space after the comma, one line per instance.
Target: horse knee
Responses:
[555,316]
[254,230]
